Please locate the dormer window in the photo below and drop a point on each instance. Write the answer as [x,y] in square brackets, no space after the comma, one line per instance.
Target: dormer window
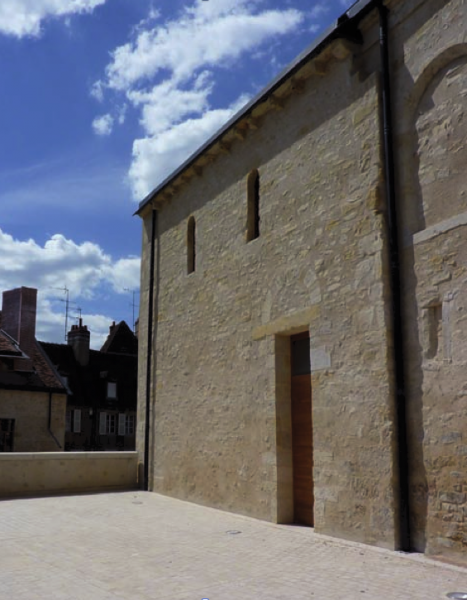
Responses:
[111,390]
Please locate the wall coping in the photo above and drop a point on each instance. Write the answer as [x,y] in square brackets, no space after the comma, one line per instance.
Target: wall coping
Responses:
[11,456]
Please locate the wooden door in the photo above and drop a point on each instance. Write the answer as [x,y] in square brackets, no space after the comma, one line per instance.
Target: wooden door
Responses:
[302,430]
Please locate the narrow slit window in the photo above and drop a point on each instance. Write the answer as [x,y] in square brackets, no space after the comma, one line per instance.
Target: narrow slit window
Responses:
[191,245]
[252,225]
[435,331]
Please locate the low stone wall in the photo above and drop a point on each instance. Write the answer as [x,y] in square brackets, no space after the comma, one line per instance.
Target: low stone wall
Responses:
[43,473]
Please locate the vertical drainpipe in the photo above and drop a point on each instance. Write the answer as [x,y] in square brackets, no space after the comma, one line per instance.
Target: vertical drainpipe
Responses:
[397,322]
[149,352]
[49,422]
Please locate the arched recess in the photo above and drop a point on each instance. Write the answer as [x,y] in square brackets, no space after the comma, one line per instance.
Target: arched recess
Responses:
[191,245]
[252,221]
[434,153]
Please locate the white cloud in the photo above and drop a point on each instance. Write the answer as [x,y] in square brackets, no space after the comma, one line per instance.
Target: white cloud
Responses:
[24,17]
[166,104]
[319,9]
[97,91]
[85,269]
[103,125]
[203,36]
[166,73]
[81,267]
[154,158]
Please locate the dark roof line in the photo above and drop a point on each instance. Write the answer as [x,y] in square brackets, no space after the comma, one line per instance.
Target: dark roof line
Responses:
[335,31]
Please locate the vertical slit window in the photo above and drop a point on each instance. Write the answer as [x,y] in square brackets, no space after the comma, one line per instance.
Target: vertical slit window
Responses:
[191,245]
[252,225]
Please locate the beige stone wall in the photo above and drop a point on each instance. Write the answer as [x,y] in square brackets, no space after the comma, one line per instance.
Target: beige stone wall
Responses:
[31,413]
[220,437]
[38,473]
[221,399]
[432,133]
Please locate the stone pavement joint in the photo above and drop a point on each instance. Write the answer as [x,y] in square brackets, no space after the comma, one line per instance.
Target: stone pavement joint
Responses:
[143,546]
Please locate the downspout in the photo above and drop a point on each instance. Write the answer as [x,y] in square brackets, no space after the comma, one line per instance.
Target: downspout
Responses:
[397,321]
[49,424]
[149,353]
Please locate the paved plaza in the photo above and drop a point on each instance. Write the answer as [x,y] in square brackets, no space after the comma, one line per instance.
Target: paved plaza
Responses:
[142,546]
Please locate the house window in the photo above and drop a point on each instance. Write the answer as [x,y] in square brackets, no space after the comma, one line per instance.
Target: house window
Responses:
[7,430]
[76,420]
[252,221]
[191,245]
[130,425]
[126,424]
[106,424]
[111,390]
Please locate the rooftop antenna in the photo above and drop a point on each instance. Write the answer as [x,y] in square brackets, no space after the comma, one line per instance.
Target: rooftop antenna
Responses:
[67,306]
[132,304]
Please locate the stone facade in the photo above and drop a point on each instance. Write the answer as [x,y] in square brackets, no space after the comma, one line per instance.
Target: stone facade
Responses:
[220,373]
[430,98]
[30,411]
[32,395]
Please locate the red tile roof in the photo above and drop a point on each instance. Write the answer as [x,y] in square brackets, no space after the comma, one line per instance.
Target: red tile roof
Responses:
[38,374]
[8,346]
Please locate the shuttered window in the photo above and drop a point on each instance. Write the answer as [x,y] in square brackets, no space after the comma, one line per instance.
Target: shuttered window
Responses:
[107,424]
[121,424]
[77,421]
[130,425]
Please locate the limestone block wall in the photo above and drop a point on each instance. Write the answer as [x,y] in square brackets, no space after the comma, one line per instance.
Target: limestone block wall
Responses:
[31,413]
[432,133]
[39,473]
[318,264]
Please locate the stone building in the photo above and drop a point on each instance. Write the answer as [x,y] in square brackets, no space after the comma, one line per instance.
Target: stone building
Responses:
[32,394]
[303,312]
[101,386]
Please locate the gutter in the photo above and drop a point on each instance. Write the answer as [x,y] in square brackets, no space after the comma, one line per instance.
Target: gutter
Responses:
[396,308]
[49,425]
[149,353]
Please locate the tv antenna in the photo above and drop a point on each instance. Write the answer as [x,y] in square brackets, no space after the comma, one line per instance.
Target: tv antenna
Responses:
[133,305]
[67,306]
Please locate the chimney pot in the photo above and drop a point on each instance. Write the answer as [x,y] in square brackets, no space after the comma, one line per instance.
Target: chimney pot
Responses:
[79,338]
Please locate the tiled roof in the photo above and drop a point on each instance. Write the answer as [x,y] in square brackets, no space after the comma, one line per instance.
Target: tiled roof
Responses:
[8,346]
[45,369]
[33,372]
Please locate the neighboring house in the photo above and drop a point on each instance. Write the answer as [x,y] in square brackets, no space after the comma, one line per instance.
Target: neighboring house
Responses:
[270,276]
[32,395]
[101,408]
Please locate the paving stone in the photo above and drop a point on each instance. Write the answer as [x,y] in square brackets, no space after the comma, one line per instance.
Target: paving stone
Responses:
[143,546]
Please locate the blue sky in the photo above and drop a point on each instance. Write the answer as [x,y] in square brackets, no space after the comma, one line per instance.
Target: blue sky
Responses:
[99,101]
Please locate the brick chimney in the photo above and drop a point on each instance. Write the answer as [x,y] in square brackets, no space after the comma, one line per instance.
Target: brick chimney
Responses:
[78,339]
[19,317]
